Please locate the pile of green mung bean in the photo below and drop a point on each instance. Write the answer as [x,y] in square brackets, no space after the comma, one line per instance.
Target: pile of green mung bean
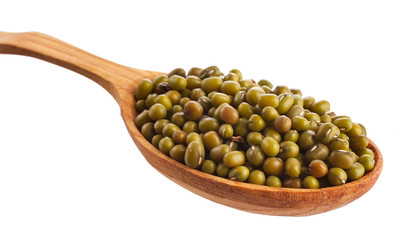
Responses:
[235,128]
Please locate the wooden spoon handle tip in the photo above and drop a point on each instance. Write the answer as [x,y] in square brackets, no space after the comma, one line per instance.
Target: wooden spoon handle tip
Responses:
[113,77]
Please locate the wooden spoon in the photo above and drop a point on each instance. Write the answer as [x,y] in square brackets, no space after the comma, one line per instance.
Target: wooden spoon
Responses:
[121,82]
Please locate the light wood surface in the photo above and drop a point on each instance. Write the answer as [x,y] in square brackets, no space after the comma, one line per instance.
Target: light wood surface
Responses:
[121,82]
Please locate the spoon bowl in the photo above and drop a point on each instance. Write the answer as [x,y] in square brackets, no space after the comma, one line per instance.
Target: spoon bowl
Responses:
[121,82]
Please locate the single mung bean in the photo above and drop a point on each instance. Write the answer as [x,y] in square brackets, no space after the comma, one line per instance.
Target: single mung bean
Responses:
[366,151]
[225,131]
[310,182]
[177,82]
[169,129]
[229,114]
[355,131]
[271,132]
[293,183]
[293,167]
[367,161]
[298,100]
[210,72]
[159,125]
[174,96]
[253,95]
[288,149]
[326,132]
[166,144]
[280,89]
[144,88]
[196,93]
[320,107]
[291,135]
[179,137]
[233,159]
[286,102]
[317,151]
[342,159]
[270,146]
[344,124]
[217,153]
[359,142]
[156,139]
[312,126]
[256,123]
[157,111]
[282,124]
[296,91]
[205,103]
[254,138]
[299,123]
[178,119]
[273,166]
[245,110]
[255,156]
[268,99]
[244,83]
[211,84]
[208,166]
[312,116]
[148,131]
[241,127]
[231,77]
[219,98]
[190,126]
[177,71]
[177,152]
[194,154]
[140,105]
[194,137]
[355,172]
[230,87]
[222,170]
[264,82]
[162,88]
[336,176]
[211,139]
[295,110]
[257,177]
[239,98]
[175,109]
[183,101]
[237,72]
[193,82]
[194,71]
[273,181]
[318,168]
[308,101]
[326,118]
[338,144]
[239,173]
[363,129]
[207,124]
[185,92]
[150,100]
[269,114]
[192,110]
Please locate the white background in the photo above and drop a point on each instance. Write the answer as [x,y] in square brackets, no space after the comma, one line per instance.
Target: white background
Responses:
[69,169]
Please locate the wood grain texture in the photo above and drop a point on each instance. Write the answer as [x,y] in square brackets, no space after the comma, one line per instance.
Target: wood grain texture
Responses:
[121,82]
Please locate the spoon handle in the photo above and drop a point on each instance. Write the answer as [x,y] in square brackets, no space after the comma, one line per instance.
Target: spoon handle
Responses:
[115,78]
